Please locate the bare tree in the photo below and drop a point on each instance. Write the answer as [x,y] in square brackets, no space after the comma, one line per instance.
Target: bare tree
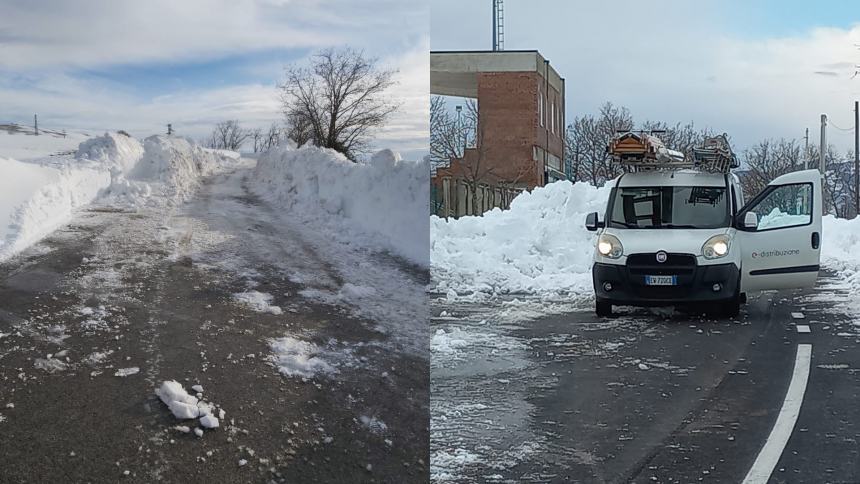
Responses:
[338,101]
[227,135]
[272,137]
[767,160]
[450,134]
[587,138]
[257,136]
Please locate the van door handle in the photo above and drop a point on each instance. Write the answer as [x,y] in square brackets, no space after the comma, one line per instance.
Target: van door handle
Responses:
[816,240]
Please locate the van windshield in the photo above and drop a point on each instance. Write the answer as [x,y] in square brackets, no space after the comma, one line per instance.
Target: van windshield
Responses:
[669,207]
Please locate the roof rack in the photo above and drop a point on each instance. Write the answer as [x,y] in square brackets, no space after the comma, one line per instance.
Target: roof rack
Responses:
[717,154]
[640,151]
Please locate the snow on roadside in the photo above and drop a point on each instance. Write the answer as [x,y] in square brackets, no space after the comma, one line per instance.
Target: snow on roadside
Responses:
[38,196]
[840,251]
[374,204]
[36,199]
[538,246]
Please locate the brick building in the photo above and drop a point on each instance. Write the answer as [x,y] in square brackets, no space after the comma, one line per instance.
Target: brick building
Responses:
[520,122]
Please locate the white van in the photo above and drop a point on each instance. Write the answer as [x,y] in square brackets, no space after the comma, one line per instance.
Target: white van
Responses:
[684,237]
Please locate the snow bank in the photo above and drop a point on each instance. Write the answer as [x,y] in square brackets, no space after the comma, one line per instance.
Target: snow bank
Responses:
[539,246]
[380,204]
[840,248]
[170,168]
[38,196]
[116,152]
[36,199]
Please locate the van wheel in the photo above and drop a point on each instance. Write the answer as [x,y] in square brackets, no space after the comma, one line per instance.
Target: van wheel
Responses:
[731,308]
[603,308]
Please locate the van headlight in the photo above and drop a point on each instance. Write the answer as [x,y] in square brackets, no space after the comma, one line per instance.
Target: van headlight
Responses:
[716,247]
[609,246]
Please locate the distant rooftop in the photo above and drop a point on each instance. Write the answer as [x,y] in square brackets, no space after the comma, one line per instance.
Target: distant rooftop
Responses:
[455,72]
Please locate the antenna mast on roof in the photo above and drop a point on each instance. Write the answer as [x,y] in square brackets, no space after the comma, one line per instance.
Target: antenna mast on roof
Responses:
[498,25]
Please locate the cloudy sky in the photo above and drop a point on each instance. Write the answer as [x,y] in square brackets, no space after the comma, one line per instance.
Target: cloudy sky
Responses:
[759,69]
[138,65]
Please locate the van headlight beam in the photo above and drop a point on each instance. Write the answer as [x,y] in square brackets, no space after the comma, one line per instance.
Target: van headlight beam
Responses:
[609,246]
[716,247]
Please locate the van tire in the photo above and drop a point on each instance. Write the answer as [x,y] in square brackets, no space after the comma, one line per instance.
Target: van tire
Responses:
[603,308]
[731,308]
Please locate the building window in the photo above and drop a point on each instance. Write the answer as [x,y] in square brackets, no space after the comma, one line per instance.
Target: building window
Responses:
[552,116]
[540,106]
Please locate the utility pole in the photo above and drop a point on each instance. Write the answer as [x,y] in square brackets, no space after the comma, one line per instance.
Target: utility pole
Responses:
[169,129]
[806,150]
[856,159]
[36,123]
[822,148]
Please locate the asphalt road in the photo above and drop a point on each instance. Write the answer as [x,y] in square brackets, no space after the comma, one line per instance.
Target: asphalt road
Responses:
[645,397]
[153,289]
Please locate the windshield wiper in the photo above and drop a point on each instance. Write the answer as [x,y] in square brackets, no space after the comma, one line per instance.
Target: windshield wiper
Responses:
[626,225]
[678,226]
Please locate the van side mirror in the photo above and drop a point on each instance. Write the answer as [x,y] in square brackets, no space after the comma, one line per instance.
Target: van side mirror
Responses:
[592,223]
[750,220]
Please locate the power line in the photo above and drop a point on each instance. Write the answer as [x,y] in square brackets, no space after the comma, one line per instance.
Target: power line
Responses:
[837,127]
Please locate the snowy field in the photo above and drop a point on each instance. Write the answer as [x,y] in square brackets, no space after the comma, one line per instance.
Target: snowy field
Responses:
[21,143]
[540,247]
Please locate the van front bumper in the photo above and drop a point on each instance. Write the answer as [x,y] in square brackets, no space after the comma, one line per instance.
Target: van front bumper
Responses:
[695,285]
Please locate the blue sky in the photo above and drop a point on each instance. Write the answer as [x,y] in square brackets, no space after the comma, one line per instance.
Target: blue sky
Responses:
[104,65]
[754,69]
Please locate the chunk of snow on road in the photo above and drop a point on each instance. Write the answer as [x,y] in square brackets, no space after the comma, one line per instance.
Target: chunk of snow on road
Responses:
[197,388]
[375,425]
[797,315]
[198,431]
[242,462]
[380,204]
[258,301]
[448,342]
[209,421]
[294,357]
[643,366]
[50,365]
[447,465]
[183,428]
[180,403]
[127,371]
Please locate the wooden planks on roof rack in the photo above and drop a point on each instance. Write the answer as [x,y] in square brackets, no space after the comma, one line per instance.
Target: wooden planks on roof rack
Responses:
[644,151]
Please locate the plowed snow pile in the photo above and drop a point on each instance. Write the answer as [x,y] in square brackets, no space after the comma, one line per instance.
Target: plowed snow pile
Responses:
[371,204]
[539,246]
[37,196]
[840,248]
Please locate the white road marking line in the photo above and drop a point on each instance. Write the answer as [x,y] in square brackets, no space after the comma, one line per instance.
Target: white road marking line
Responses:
[769,455]
[797,315]
[803,328]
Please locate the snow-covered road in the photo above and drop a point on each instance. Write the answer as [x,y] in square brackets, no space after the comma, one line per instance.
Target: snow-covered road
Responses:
[316,350]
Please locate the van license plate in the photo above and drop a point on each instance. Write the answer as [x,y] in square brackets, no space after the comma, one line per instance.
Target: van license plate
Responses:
[661,280]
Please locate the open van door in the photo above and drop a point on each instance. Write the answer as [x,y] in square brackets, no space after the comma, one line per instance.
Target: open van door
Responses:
[779,234]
